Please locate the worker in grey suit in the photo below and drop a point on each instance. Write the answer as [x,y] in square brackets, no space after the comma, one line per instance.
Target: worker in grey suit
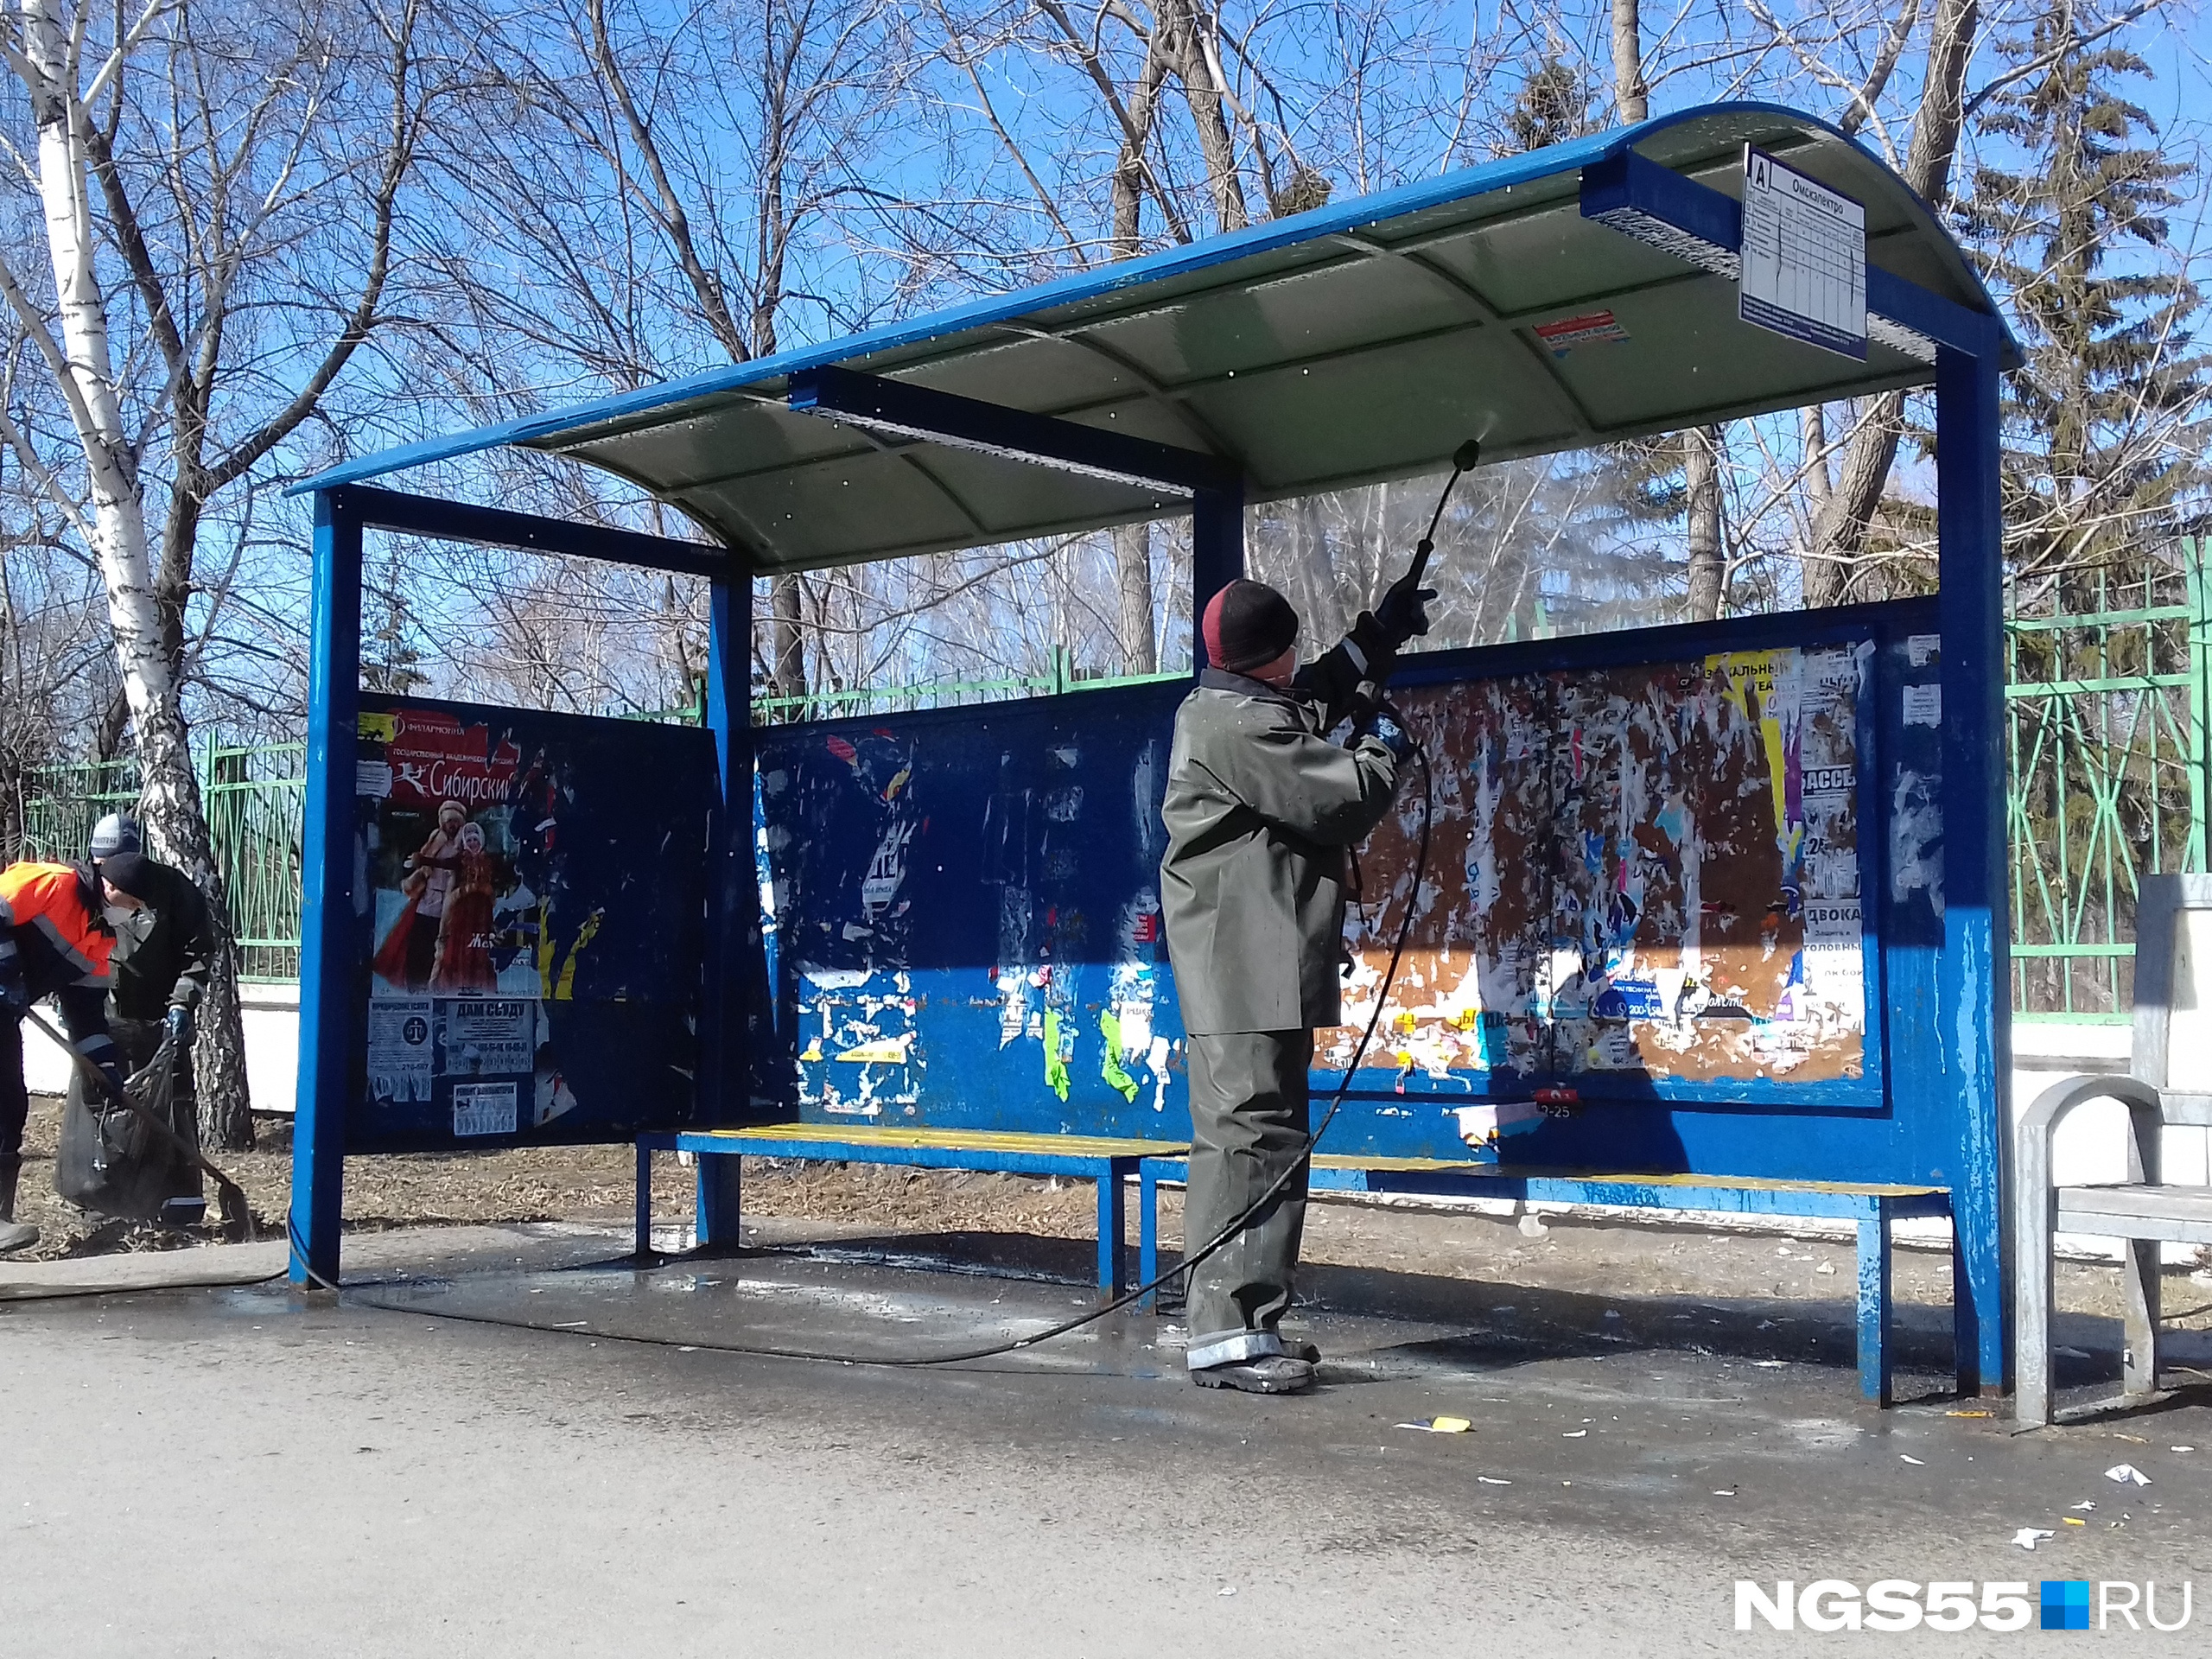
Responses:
[1261,810]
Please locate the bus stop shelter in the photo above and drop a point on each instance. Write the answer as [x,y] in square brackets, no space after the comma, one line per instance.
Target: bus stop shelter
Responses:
[1573,296]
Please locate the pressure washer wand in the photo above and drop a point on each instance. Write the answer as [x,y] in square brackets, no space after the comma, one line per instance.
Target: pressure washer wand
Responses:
[1464,460]
[230,1197]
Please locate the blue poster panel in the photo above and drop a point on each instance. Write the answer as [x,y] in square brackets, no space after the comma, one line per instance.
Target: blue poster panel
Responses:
[532,896]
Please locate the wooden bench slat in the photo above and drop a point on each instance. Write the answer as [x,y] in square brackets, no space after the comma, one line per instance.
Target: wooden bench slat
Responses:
[761,1140]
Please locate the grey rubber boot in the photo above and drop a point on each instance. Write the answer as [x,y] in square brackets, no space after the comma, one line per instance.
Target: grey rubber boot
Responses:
[14,1235]
[1269,1374]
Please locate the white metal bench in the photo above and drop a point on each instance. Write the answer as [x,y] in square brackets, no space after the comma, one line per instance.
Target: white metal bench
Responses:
[2169,1082]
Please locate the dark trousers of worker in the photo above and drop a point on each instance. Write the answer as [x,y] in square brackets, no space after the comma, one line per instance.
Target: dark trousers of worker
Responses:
[1249,1121]
[15,1108]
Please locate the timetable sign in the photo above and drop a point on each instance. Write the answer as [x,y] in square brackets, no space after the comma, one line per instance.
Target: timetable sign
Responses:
[1804,258]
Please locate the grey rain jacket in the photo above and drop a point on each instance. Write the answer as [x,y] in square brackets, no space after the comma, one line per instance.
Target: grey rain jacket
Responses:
[1260,809]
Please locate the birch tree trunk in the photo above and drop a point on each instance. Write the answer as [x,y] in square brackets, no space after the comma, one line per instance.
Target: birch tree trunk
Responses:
[1708,571]
[1133,589]
[1631,97]
[169,791]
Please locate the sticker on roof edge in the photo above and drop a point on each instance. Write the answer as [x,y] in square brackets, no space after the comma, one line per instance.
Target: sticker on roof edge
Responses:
[1592,328]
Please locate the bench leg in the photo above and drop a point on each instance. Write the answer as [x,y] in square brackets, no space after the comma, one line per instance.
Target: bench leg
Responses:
[716,1208]
[2140,1286]
[1874,1304]
[1113,1211]
[1148,1231]
[645,1199]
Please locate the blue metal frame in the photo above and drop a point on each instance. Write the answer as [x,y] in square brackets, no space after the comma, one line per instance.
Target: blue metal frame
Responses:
[326,968]
[329,975]
[1217,555]
[871,401]
[1974,973]
[724,1085]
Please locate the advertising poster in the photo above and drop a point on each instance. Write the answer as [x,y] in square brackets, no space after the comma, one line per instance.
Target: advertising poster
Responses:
[531,922]
[1660,878]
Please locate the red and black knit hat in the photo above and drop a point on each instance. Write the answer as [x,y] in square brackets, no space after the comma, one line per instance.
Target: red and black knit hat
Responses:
[1247,624]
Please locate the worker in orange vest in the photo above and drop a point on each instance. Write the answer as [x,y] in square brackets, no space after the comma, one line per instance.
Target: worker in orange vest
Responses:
[57,933]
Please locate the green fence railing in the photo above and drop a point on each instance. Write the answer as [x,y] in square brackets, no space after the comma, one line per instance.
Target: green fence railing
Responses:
[2106,715]
[254,796]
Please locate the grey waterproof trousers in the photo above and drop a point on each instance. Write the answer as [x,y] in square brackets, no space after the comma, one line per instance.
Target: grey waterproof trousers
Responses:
[1248,1107]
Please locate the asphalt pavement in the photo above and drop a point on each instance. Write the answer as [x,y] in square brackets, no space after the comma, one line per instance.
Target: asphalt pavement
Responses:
[405,1471]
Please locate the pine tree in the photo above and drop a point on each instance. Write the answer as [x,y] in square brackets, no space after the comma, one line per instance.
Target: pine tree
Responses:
[2105,422]
[391,656]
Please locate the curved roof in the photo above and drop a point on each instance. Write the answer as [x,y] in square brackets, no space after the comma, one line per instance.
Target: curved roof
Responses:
[1359,342]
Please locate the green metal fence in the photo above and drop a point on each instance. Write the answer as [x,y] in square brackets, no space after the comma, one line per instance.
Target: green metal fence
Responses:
[256,818]
[255,797]
[2107,670]
[2109,702]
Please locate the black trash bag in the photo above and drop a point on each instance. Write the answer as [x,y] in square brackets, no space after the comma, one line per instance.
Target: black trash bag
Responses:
[111,1160]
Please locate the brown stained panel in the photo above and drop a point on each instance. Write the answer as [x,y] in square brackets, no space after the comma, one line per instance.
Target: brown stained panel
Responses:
[1642,871]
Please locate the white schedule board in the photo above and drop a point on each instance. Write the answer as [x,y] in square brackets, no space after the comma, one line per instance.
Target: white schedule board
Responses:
[1804,258]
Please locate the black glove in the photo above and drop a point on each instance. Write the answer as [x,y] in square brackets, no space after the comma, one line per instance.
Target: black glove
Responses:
[15,989]
[1361,707]
[1402,612]
[180,1024]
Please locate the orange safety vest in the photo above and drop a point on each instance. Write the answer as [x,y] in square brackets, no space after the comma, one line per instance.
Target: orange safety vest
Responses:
[49,899]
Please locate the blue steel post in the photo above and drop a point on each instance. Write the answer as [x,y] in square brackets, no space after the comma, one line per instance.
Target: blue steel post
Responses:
[1974,974]
[725,1077]
[326,920]
[1217,554]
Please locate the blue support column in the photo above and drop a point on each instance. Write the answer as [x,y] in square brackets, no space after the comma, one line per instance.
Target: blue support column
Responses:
[327,920]
[1217,555]
[1973,977]
[734,905]
[1148,1229]
[1874,1318]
